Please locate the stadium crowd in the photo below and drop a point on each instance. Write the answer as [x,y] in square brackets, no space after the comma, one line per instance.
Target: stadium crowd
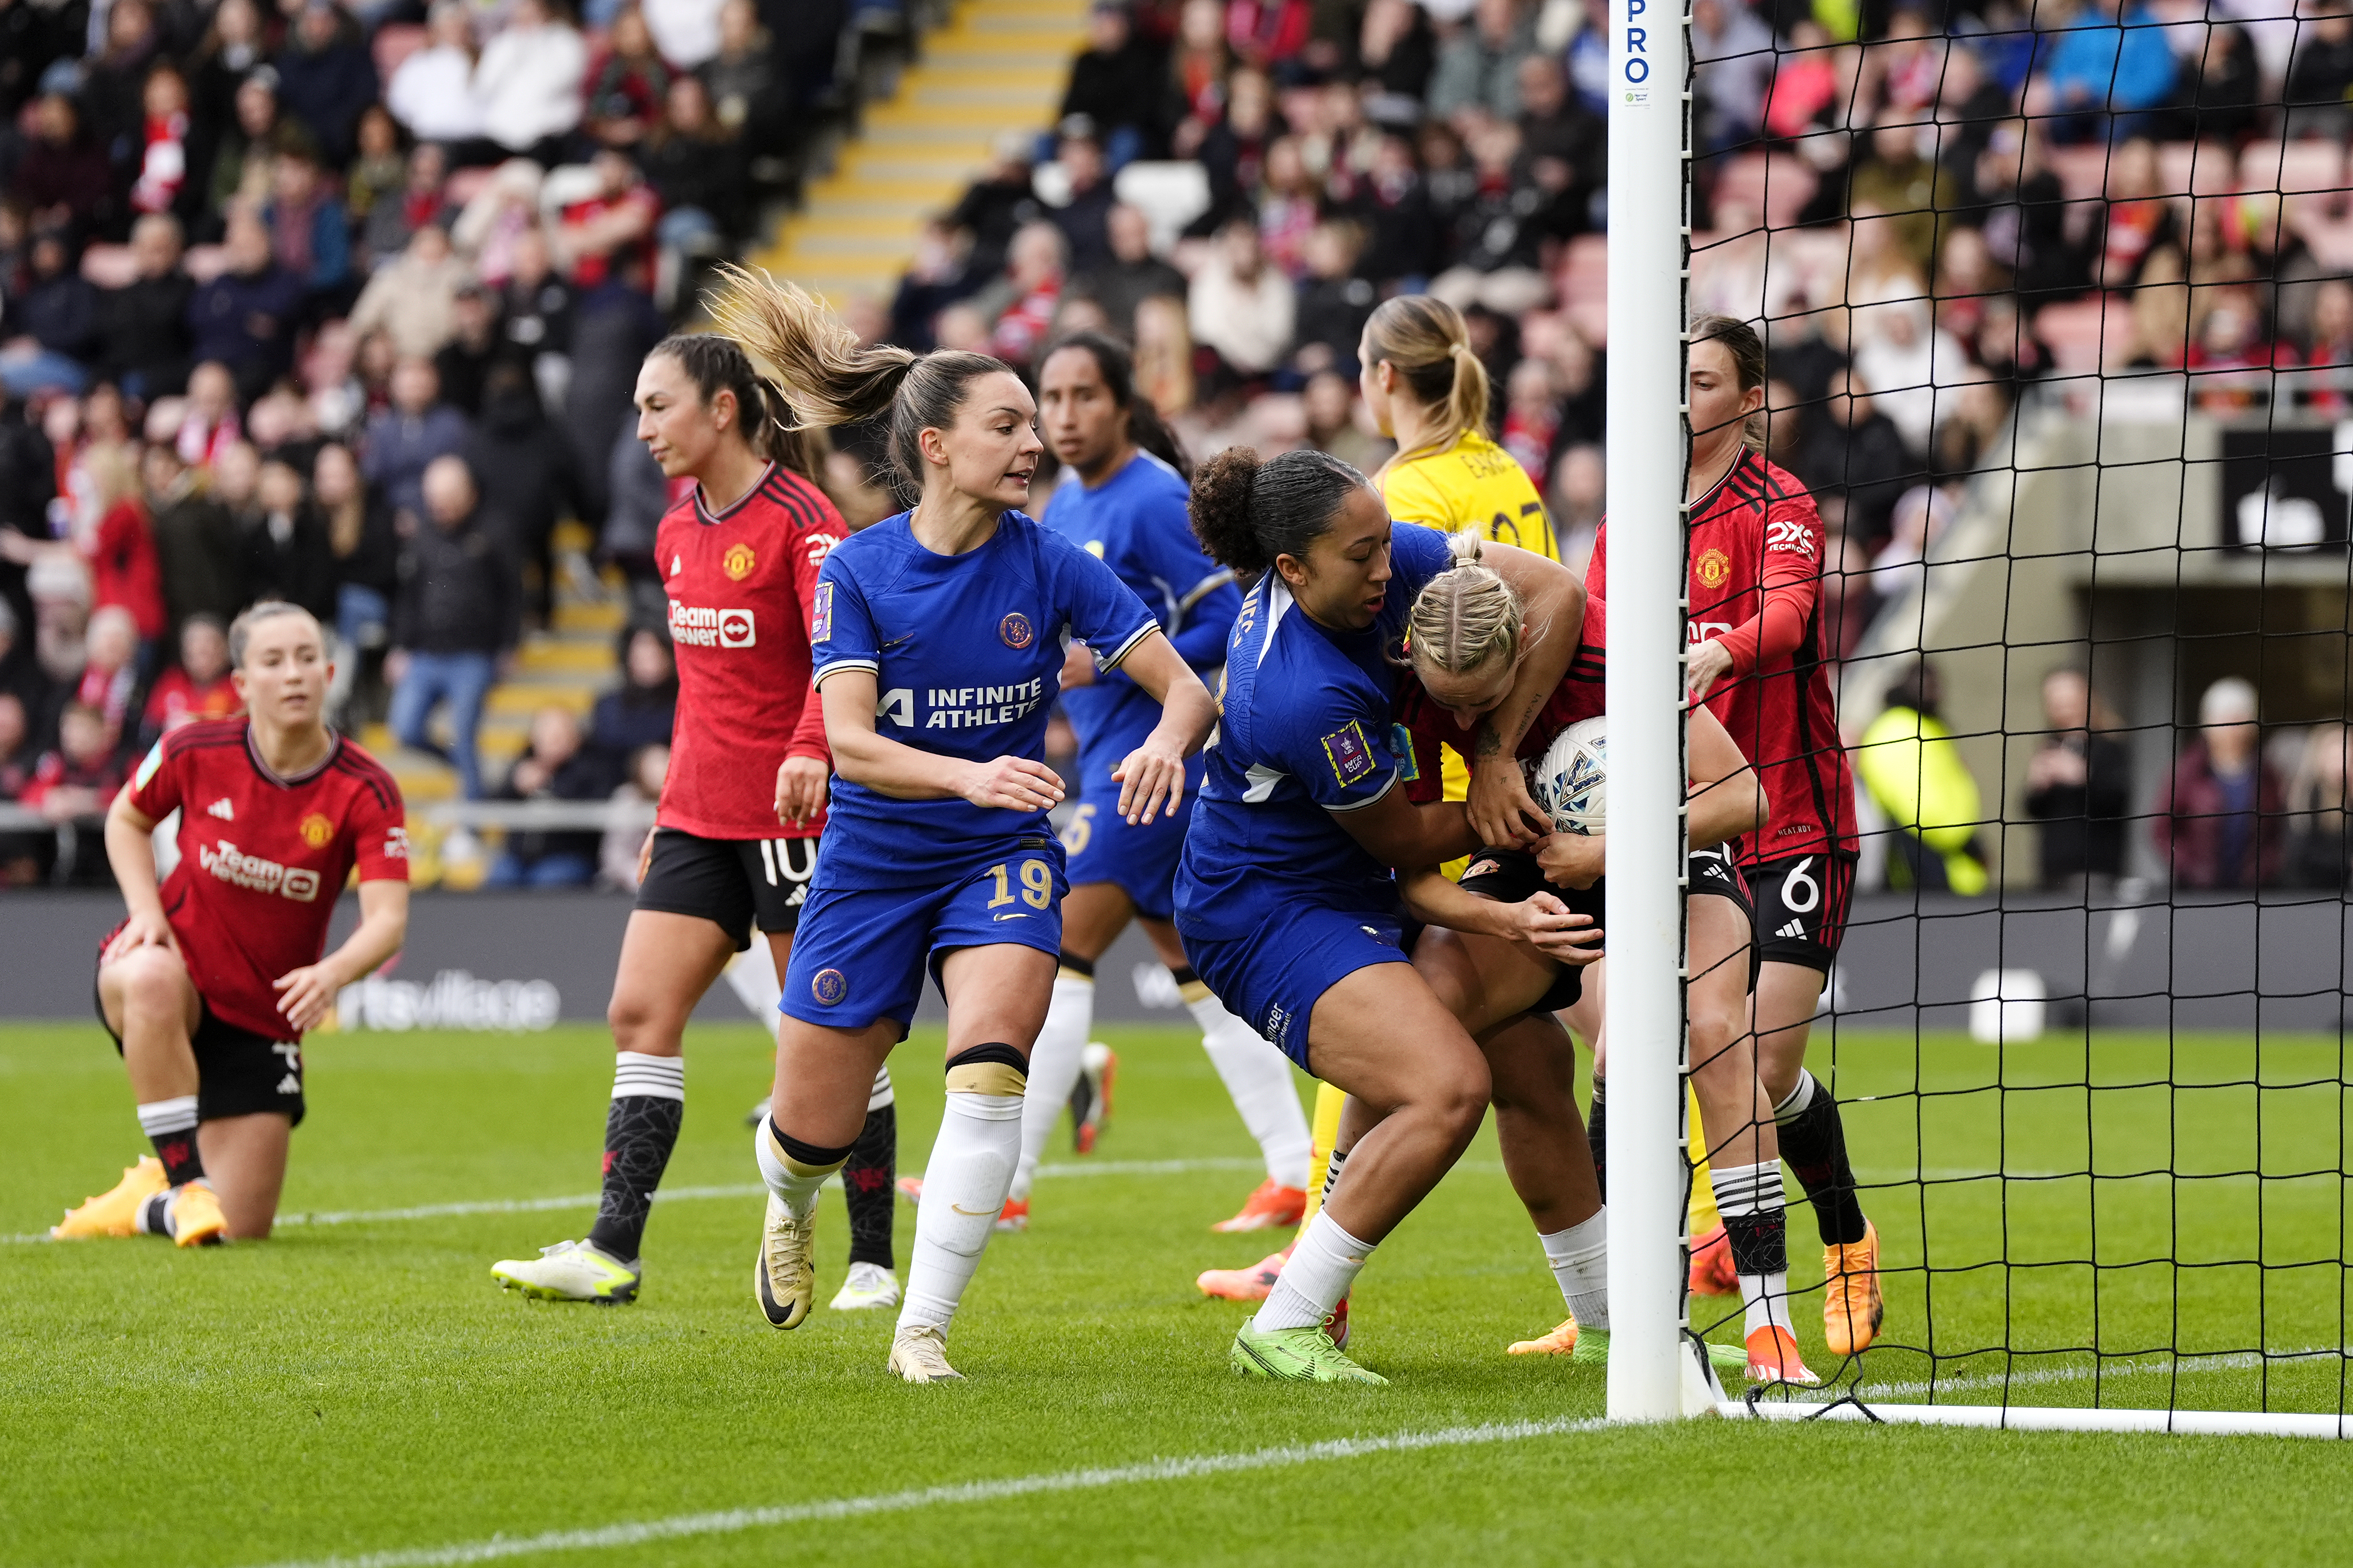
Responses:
[343,303]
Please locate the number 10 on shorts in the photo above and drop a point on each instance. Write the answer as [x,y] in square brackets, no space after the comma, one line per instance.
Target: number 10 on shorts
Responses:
[1037,885]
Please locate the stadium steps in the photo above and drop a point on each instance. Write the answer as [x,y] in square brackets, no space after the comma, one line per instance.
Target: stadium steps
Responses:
[998,66]
[568,665]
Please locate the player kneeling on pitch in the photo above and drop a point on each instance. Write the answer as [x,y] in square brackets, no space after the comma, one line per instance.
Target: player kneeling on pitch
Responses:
[209,983]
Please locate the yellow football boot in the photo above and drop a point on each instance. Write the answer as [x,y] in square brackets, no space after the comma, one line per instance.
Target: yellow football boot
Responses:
[116,1211]
[196,1217]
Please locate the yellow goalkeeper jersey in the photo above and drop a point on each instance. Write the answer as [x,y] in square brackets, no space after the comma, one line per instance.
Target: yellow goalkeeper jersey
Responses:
[1473,484]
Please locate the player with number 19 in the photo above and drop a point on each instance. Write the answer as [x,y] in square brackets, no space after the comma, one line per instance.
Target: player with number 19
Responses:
[938,641]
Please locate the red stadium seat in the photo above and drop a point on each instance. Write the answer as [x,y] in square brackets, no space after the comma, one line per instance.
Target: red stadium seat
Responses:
[2086,335]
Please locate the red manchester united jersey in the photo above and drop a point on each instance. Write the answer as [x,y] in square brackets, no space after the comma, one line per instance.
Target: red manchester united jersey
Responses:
[1577,698]
[1755,557]
[741,584]
[262,858]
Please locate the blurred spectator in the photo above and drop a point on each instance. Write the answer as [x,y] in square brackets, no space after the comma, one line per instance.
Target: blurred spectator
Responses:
[21,675]
[1164,354]
[1921,515]
[231,49]
[2089,68]
[379,167]
[1083,217]
[1288,206]
[209,421]
[1397,52]
[464,362]
[245,318]
[523,469]
[1240,306]
[2078,786]
[122,562]
[1568,144]
[602,233]
[612,328]
[634,804]
[1479,67]
[1404,238]
[697,169]
[1498,232]
[1117,83]
[639,713]
[432,91]
[1334,303]
[2136,221]
[1019,306]
[458,617]
[1234,150]
[195,541]
[144,325]
[936,278]
[164,185]
[17,757]
[529,83]
[2019,202]
[2320,89]
[309,232]
[1131,275]
[285,550]
[1852,449]
[405,438]
[197,687]
[2216,79]
[62,177]
[535,316]
[110,671]
[556,767]
[1905,357]
[1330,404]
[2321,854]
[1912,767]
[366,552]
[2218,822]
[1531,418]
[240,167]
[995,206]
[325,77]
[397,215]
[59,317]
[414,297]
[624,100]
[1580,486]
[1901,178]
[1195,86]
[746,93]
[75,780]
[1732,55]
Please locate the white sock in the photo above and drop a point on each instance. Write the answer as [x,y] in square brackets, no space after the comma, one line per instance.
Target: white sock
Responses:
[1323,1266]
[1331,1163]
[794,1183]
[1801,1095]
[656,1078]
[752,975]
[1579,1257]
[1054,1063]
[178,1114]
[964,1186]
[1258,1077]
[1748,1197]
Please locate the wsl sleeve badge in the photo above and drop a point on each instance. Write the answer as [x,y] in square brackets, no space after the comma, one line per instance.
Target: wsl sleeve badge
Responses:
[821,622]
[1350,755]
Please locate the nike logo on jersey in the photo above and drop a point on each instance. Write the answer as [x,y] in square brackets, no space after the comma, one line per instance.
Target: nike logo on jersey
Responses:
[1013,917]
[222,809]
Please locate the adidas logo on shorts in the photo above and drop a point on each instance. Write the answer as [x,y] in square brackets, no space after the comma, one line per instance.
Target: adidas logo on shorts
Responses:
[1794,929]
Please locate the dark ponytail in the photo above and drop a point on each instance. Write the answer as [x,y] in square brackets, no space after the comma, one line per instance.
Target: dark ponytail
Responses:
[717,364]
[1117,364]
[1246,512]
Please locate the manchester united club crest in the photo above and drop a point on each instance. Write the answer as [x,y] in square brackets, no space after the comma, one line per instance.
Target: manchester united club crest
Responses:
[1016,631]
[737,563]
[1712,568]
[317,830]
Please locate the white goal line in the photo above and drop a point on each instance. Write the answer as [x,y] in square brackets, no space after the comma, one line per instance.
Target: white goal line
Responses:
[689,1194]
[730,1522]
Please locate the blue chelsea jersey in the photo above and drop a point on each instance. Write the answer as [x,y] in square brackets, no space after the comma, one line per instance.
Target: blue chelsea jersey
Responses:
[967,653]
[1305,732]
[1135,522]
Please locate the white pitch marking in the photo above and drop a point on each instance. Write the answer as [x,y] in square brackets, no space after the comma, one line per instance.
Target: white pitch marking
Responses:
[730,1522]
[681,1194]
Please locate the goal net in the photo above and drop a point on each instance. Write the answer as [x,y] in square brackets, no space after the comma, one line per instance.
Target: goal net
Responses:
[2060,338]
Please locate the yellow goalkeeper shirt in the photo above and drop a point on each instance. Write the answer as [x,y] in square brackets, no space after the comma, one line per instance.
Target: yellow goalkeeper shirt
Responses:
[1473,484]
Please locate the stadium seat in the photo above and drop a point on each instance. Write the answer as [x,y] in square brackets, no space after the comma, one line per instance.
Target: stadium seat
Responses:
[2074,332]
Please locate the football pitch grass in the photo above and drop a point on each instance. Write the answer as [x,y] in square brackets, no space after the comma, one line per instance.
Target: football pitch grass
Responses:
[358,1389]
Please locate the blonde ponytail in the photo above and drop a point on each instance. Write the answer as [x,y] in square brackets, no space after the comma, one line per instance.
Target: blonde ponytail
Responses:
[1429,343]
[1465,616]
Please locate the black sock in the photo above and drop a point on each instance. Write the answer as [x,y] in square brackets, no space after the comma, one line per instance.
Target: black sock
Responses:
[1813,1143]
[178,1152]
[867,1185]
[1597,1131]
[640,1130]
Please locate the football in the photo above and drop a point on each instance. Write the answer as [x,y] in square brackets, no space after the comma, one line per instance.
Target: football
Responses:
[1571,780]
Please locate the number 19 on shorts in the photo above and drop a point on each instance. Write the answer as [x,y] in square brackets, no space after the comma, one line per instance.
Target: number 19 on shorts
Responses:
[1037,885]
